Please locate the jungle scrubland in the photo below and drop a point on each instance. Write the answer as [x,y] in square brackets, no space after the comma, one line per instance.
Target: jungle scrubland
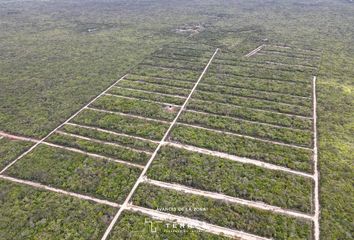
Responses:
[56,56]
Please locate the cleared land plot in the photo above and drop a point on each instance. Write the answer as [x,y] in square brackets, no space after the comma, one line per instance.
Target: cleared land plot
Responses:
[185,52]
[163,81]
[290,60]
[258,94]
[166,72]
[29,213]
[250,114]
[136,226]
[291,88]
[234,216]
[108,150]
[172,63]
[154,88]
[285,135]
[267,66]
[270,63]
[195,49]
[123,140]
[231,178]
[297,159]
[10,149]
[253,103]
[122,124]
[76,172]
[147,95]
[191,45]
[136,107]
[295,52]
[252,71]
[182,58]
[290,49]
[289,57]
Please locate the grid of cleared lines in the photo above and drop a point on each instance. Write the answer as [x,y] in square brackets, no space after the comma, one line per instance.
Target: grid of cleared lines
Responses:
[191,102]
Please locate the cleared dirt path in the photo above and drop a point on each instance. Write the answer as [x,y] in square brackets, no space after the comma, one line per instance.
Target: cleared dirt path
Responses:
[152,213]
[141,177]
[102,142]
[61,125]
[151,92]
[160,78]
[253,97]
[290,65]
[19,138]
[93,155]
[238,159]
[253,52]
[143,100]
[128,115]
[245,136]
[78,150]
[294,55]
[280,46]
[223,197]
[206,227]
[315,160]
[111,132]
[57,190]
[243,120]
[255,109]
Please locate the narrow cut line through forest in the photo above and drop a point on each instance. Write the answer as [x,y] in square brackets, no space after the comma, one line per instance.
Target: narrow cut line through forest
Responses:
[61,125]
[60,191]
[140,179]
[238,159]
[223,197]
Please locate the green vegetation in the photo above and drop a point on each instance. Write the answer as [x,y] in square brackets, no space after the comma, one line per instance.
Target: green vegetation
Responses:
[176,57]
[112,151]
[276,67]
[290,53]
[263,58]
[122,124]
[135,226]
[293,158]
[262,95]
[286,135]
[260,222]
[185,51]
[154,88]
[29,213]
[57,55]
[171,63]
[183,57]
[270,64]
[76,172]
[253,103]
[119,139]
[52,65]
[136,107]
[162,81]
[231,178]
[294,88]
[147,96]
[10,149]
[251,71]
[335,130]
[250,114]
[154,71]
[310,53]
